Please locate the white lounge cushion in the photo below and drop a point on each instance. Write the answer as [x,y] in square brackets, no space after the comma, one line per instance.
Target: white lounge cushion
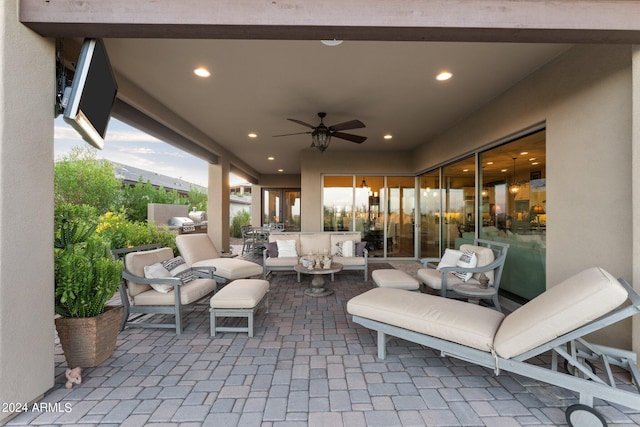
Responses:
[467,324]
[231,268]
[569,305]
[196,247]
[189,293]
[242,293]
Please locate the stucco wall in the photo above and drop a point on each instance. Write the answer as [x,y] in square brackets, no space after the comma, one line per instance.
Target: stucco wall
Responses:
[26,185]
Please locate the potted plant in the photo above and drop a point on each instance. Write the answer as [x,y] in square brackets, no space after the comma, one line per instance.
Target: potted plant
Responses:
[86,278]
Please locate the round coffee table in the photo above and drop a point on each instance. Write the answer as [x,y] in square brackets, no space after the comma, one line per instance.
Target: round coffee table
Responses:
[317,288]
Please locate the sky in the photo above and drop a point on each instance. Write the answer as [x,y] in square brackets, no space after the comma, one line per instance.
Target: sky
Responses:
[127,145]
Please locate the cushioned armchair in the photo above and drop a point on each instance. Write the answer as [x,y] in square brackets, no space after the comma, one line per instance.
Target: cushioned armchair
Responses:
[199,251]
[156,282]
[451,278]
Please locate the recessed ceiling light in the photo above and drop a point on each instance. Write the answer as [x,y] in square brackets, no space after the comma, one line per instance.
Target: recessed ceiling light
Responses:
[524,153]
[503,170]
[271,158]
[201,72]
[388,136]
[532,159]
[280,170]
[253,135]
[489,163]
[465,170]
[535,163]
[333,42]
[444,75]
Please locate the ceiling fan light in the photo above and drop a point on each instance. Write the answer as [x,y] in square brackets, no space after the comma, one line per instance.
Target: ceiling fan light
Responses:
[321,139]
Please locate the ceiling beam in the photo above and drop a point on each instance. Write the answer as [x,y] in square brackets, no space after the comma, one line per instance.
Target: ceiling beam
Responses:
[540,21]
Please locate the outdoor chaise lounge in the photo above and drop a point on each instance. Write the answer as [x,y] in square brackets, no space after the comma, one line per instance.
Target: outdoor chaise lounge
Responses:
[556,320]
[199,251]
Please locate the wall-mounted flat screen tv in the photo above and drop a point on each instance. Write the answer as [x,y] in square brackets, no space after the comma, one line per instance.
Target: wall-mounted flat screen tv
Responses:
[93,93]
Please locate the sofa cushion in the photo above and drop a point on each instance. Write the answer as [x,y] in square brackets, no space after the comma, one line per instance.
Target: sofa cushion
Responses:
[282,262]
[349,261]
[314,243]
[360,247]
[467,324]
[189,293]
[569,305]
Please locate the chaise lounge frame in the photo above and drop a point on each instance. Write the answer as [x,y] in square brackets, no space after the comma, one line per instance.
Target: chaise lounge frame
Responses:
[588,385]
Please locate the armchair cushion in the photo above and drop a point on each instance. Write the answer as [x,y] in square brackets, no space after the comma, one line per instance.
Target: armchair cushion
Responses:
[360,247]
[189,293]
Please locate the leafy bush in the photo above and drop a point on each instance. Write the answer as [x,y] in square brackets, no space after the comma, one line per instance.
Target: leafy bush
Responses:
[86,276]
[123,233]
[81,178]
[241,218]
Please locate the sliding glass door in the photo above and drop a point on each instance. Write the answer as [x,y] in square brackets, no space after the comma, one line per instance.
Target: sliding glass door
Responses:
[381,208]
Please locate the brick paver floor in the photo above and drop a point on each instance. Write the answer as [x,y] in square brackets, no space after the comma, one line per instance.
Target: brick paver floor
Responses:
[308,364]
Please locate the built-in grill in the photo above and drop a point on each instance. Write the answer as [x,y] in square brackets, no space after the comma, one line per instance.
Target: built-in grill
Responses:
[180,221]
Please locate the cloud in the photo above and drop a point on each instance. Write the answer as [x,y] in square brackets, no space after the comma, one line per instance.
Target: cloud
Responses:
[137,150]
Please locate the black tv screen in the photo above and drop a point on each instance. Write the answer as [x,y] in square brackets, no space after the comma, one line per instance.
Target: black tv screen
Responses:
[93,93]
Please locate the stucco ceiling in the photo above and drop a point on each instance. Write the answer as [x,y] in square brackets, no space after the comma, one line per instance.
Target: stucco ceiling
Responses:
[255,85]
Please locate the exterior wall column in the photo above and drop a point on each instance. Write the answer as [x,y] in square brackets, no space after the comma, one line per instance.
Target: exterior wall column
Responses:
[27,75]
[218,204]
[635,184]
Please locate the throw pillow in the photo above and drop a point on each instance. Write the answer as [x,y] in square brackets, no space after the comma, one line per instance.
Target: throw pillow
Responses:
[346,248]
[157,271]
[272,250]
[287,248]
[449,259]
[467,260]
[174,267]
[360,248]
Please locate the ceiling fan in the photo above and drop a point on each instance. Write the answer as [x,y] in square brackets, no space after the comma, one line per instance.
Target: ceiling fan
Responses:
[321,134]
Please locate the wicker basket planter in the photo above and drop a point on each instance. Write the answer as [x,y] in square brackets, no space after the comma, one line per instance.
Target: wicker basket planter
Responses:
[89,341]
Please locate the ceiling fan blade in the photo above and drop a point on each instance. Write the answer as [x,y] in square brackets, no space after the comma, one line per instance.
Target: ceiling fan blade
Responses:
[351,124]
[289,134]
[300,122]
[349,137]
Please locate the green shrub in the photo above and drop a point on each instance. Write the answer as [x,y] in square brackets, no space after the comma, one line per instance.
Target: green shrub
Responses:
[241,218]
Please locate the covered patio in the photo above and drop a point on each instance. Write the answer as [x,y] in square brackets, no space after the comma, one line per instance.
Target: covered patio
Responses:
[308,364]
